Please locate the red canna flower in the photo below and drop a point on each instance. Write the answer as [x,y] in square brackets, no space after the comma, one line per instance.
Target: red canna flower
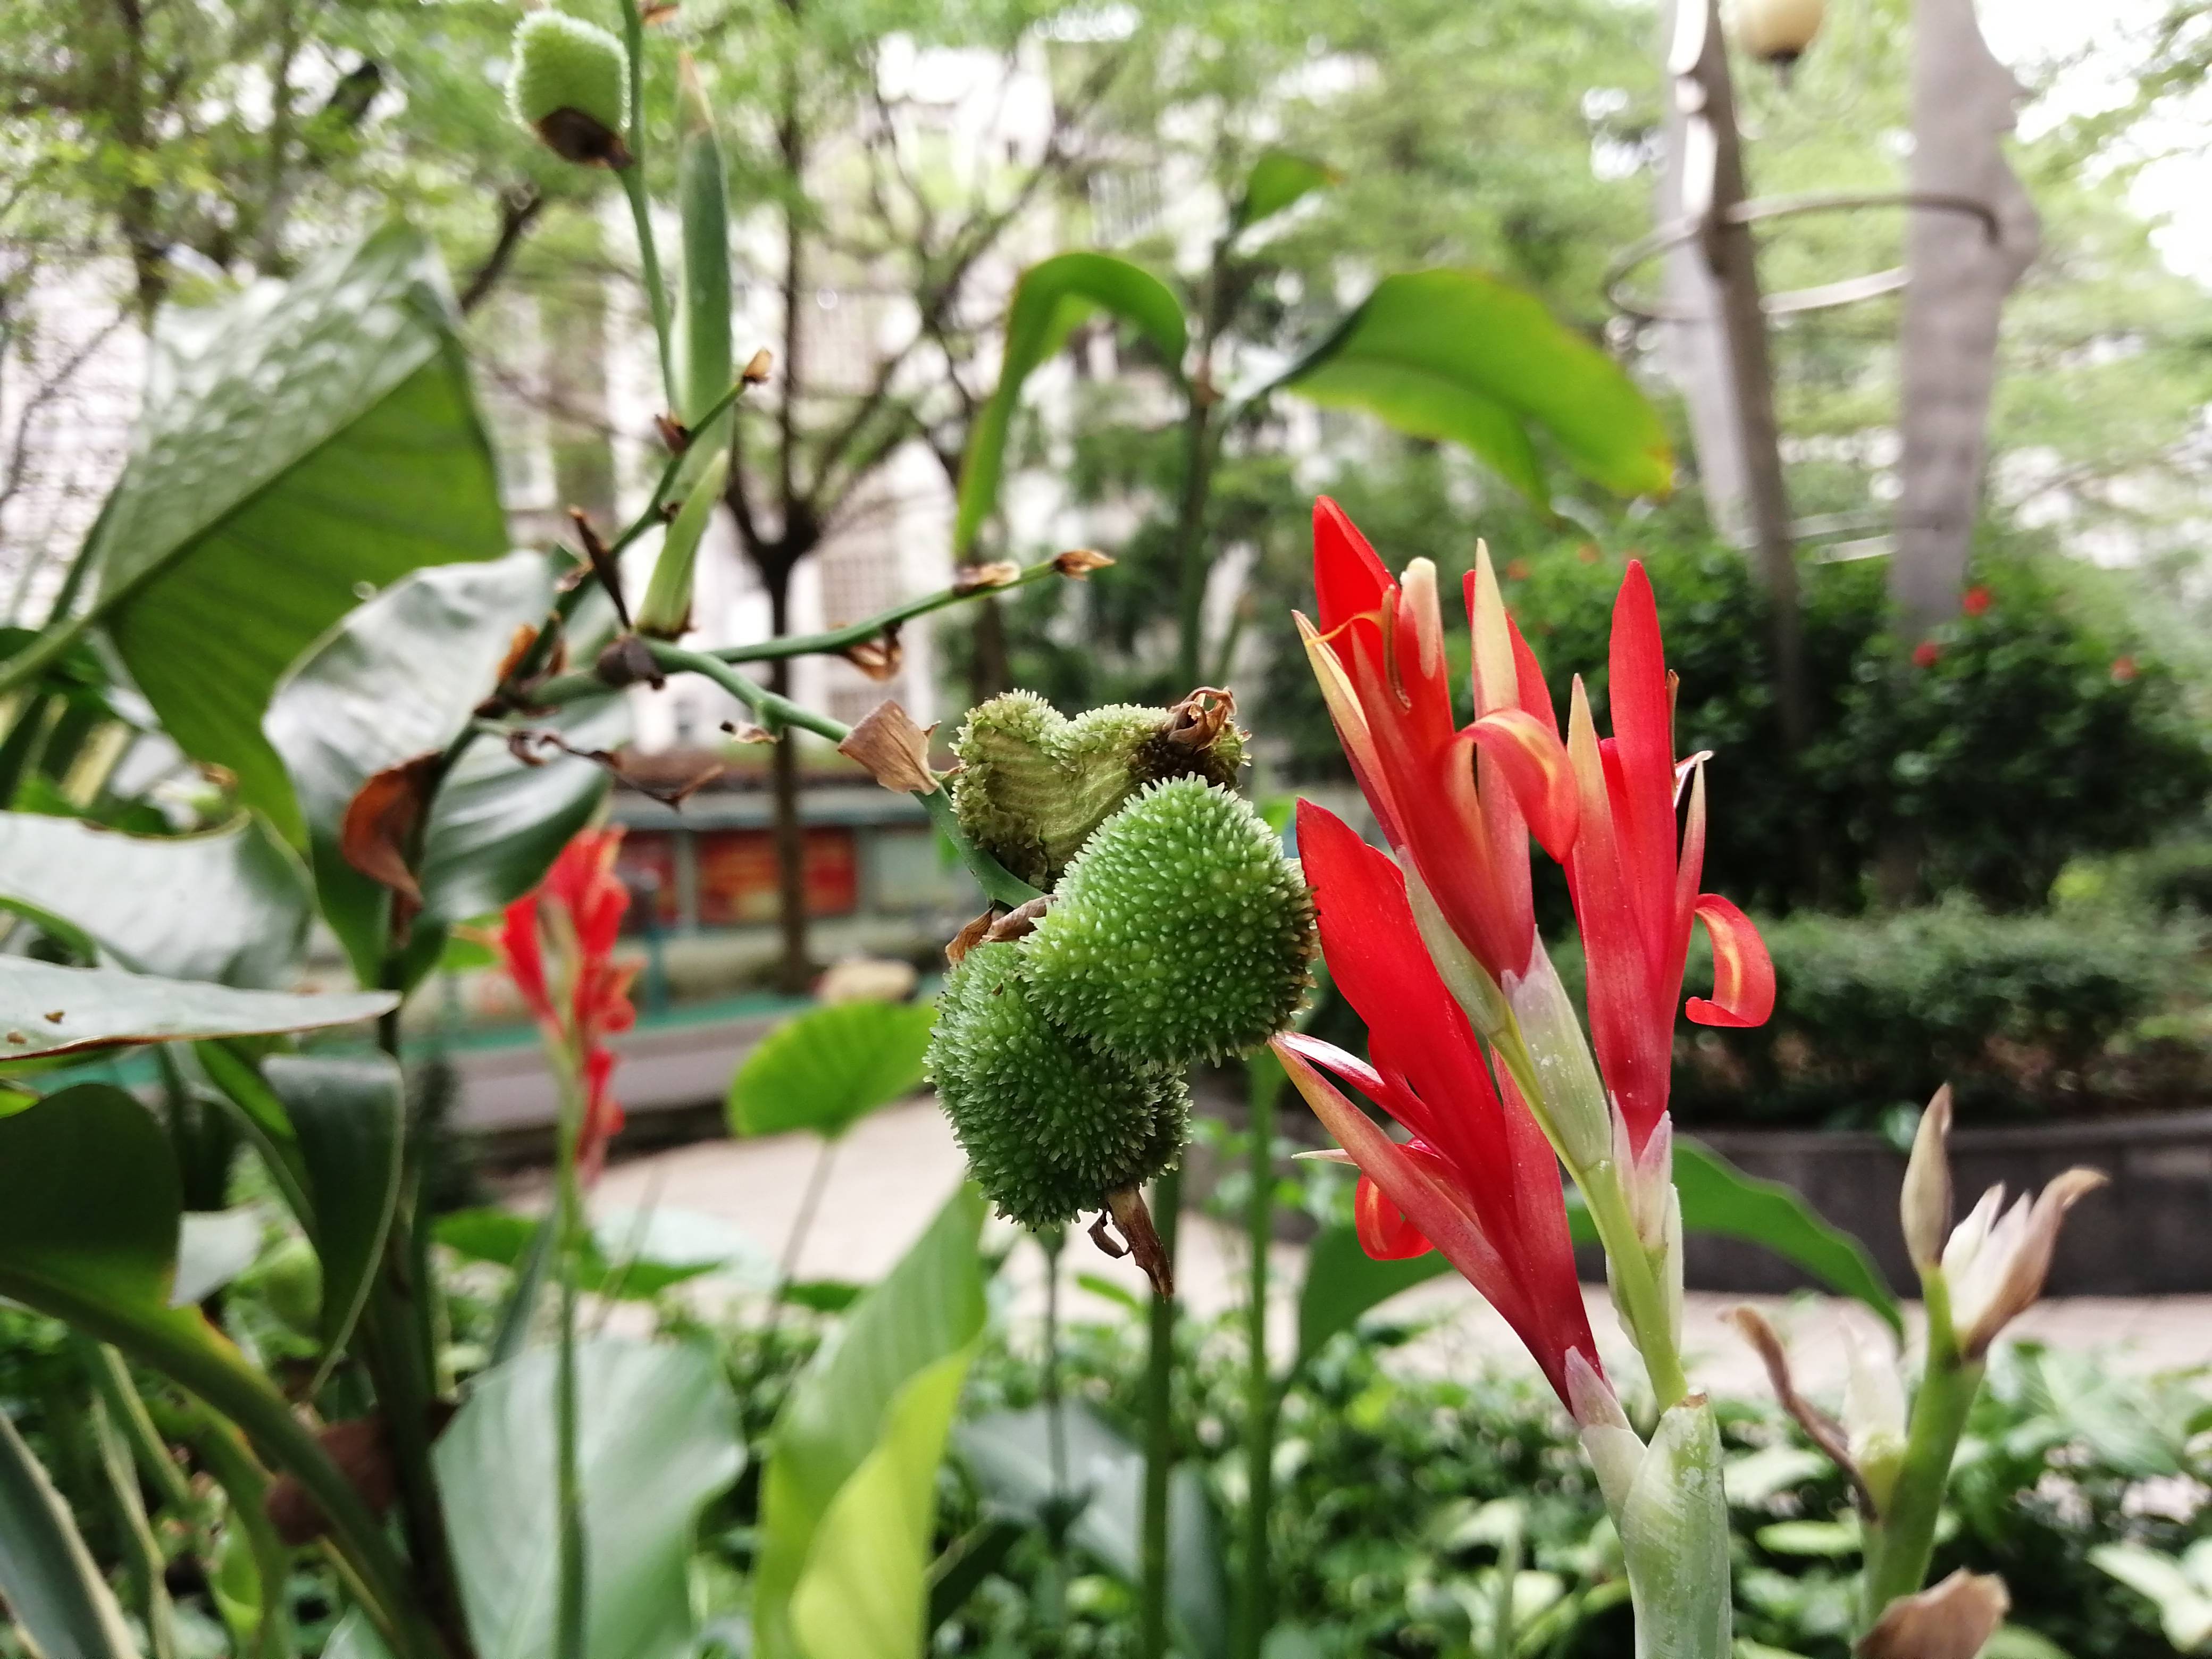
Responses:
[1975,600]
[1927,654]
[2124,669]
[577,911]
[1457,805]
[1635,888]
[1479,1179]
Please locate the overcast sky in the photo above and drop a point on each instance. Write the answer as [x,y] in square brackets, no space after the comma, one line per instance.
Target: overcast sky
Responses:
[2099,42]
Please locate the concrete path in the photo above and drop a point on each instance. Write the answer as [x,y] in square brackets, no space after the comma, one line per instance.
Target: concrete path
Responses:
[895,1170]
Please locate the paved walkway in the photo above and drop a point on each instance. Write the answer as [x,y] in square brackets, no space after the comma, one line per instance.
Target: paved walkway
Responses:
[894,1170]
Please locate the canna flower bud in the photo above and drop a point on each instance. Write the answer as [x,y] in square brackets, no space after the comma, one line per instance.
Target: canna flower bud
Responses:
[1924,1204]
[570,85]
[666,612]
[1996,1264]
[1033,785]
[1052,1126]
[1874,1420]
[1180,933]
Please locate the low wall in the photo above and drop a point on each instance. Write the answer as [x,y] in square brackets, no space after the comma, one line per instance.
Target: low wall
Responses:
[2149,1233]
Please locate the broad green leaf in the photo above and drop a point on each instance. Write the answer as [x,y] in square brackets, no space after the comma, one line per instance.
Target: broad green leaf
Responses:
[2114,1415]
[231,906]
[1051,299]
[348,1119]
[629,1256]
[213,1248]
[52,1586]
[865,1588]
[398,679]
[1721,1199]
[2184,1611]
[1343,1282]
[1457,356]
[322,437]
[1674,1538]
[1278,180]
[828,1068]
[658,1435]
[1009,1454]
[845,1406]
[50,1009]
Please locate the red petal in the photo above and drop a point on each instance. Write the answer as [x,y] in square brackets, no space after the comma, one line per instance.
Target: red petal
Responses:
[1743,973]
[526,961]
[1642,715]
[1536,694]
[1528,752]
[1349,580]
[1384,1233]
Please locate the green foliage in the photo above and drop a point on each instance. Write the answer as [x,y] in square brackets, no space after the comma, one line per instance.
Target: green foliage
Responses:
[825,1070]
[863,1429]
[47,1010]
[2018,1013]
[1051,299]
[1459,356]
[2044,729]
[1051,1124]
[1179,934]
[230,905]
[657,1437]
[318,439]
[54,1591]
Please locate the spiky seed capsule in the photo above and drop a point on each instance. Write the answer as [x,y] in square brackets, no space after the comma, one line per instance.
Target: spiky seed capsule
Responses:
[1180,933]
[1050,1124]
[1033,785]
[570,85]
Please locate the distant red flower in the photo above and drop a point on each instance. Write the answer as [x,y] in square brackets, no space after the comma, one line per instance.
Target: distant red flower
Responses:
[1517,571]
[1976,601]
[1586,553]
[1926,653]
[2124,669]
[573,918]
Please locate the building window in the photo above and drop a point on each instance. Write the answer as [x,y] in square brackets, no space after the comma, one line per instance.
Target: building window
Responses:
[737,876]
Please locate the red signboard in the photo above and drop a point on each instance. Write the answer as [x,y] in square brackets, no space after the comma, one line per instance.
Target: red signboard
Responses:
[736,875]
[646,865]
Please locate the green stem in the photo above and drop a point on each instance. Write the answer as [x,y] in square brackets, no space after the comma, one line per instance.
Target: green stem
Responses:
[1153,1559]
[1255,1597]
[1635,1280]
[35,658]
[245,1485]
[1901,1543]
[1052,1589]
[110,1380]
[859,633]
[570,1612]
[143,1563]
[640,209]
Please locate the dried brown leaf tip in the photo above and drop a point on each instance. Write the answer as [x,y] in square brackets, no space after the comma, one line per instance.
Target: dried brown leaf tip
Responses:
[758,366]
[652,17]
[1140,1238]
[878,658]
[893,750]
[573,136]
[969,938]
[748,731]
[983,578]
[1953,1620]
[1198,720]
[675,436]
[377,836]
[1080,561]
[1822,1429]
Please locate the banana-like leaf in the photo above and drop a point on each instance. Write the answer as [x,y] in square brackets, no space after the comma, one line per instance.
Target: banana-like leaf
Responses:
[658,1435]
[51,1583]
[1278,179]
[50,1009]
[322,437]
[1459,356]
[1721,1199]
[392,685]
[828,1068]
[232,905]
[1051,299]
[348,1119]
[1343,1282]
[865,1410]
[1009,1454]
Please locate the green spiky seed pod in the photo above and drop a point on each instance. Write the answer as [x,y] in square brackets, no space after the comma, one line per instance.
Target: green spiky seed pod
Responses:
[1051,1125]
[570,85]
[1034,785]
[1179,934]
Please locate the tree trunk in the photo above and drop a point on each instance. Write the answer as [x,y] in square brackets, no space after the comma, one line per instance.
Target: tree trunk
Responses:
[795,971]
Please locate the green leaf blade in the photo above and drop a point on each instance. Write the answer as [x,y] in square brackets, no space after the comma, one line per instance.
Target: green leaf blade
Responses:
[828,1068]
[50,1009]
